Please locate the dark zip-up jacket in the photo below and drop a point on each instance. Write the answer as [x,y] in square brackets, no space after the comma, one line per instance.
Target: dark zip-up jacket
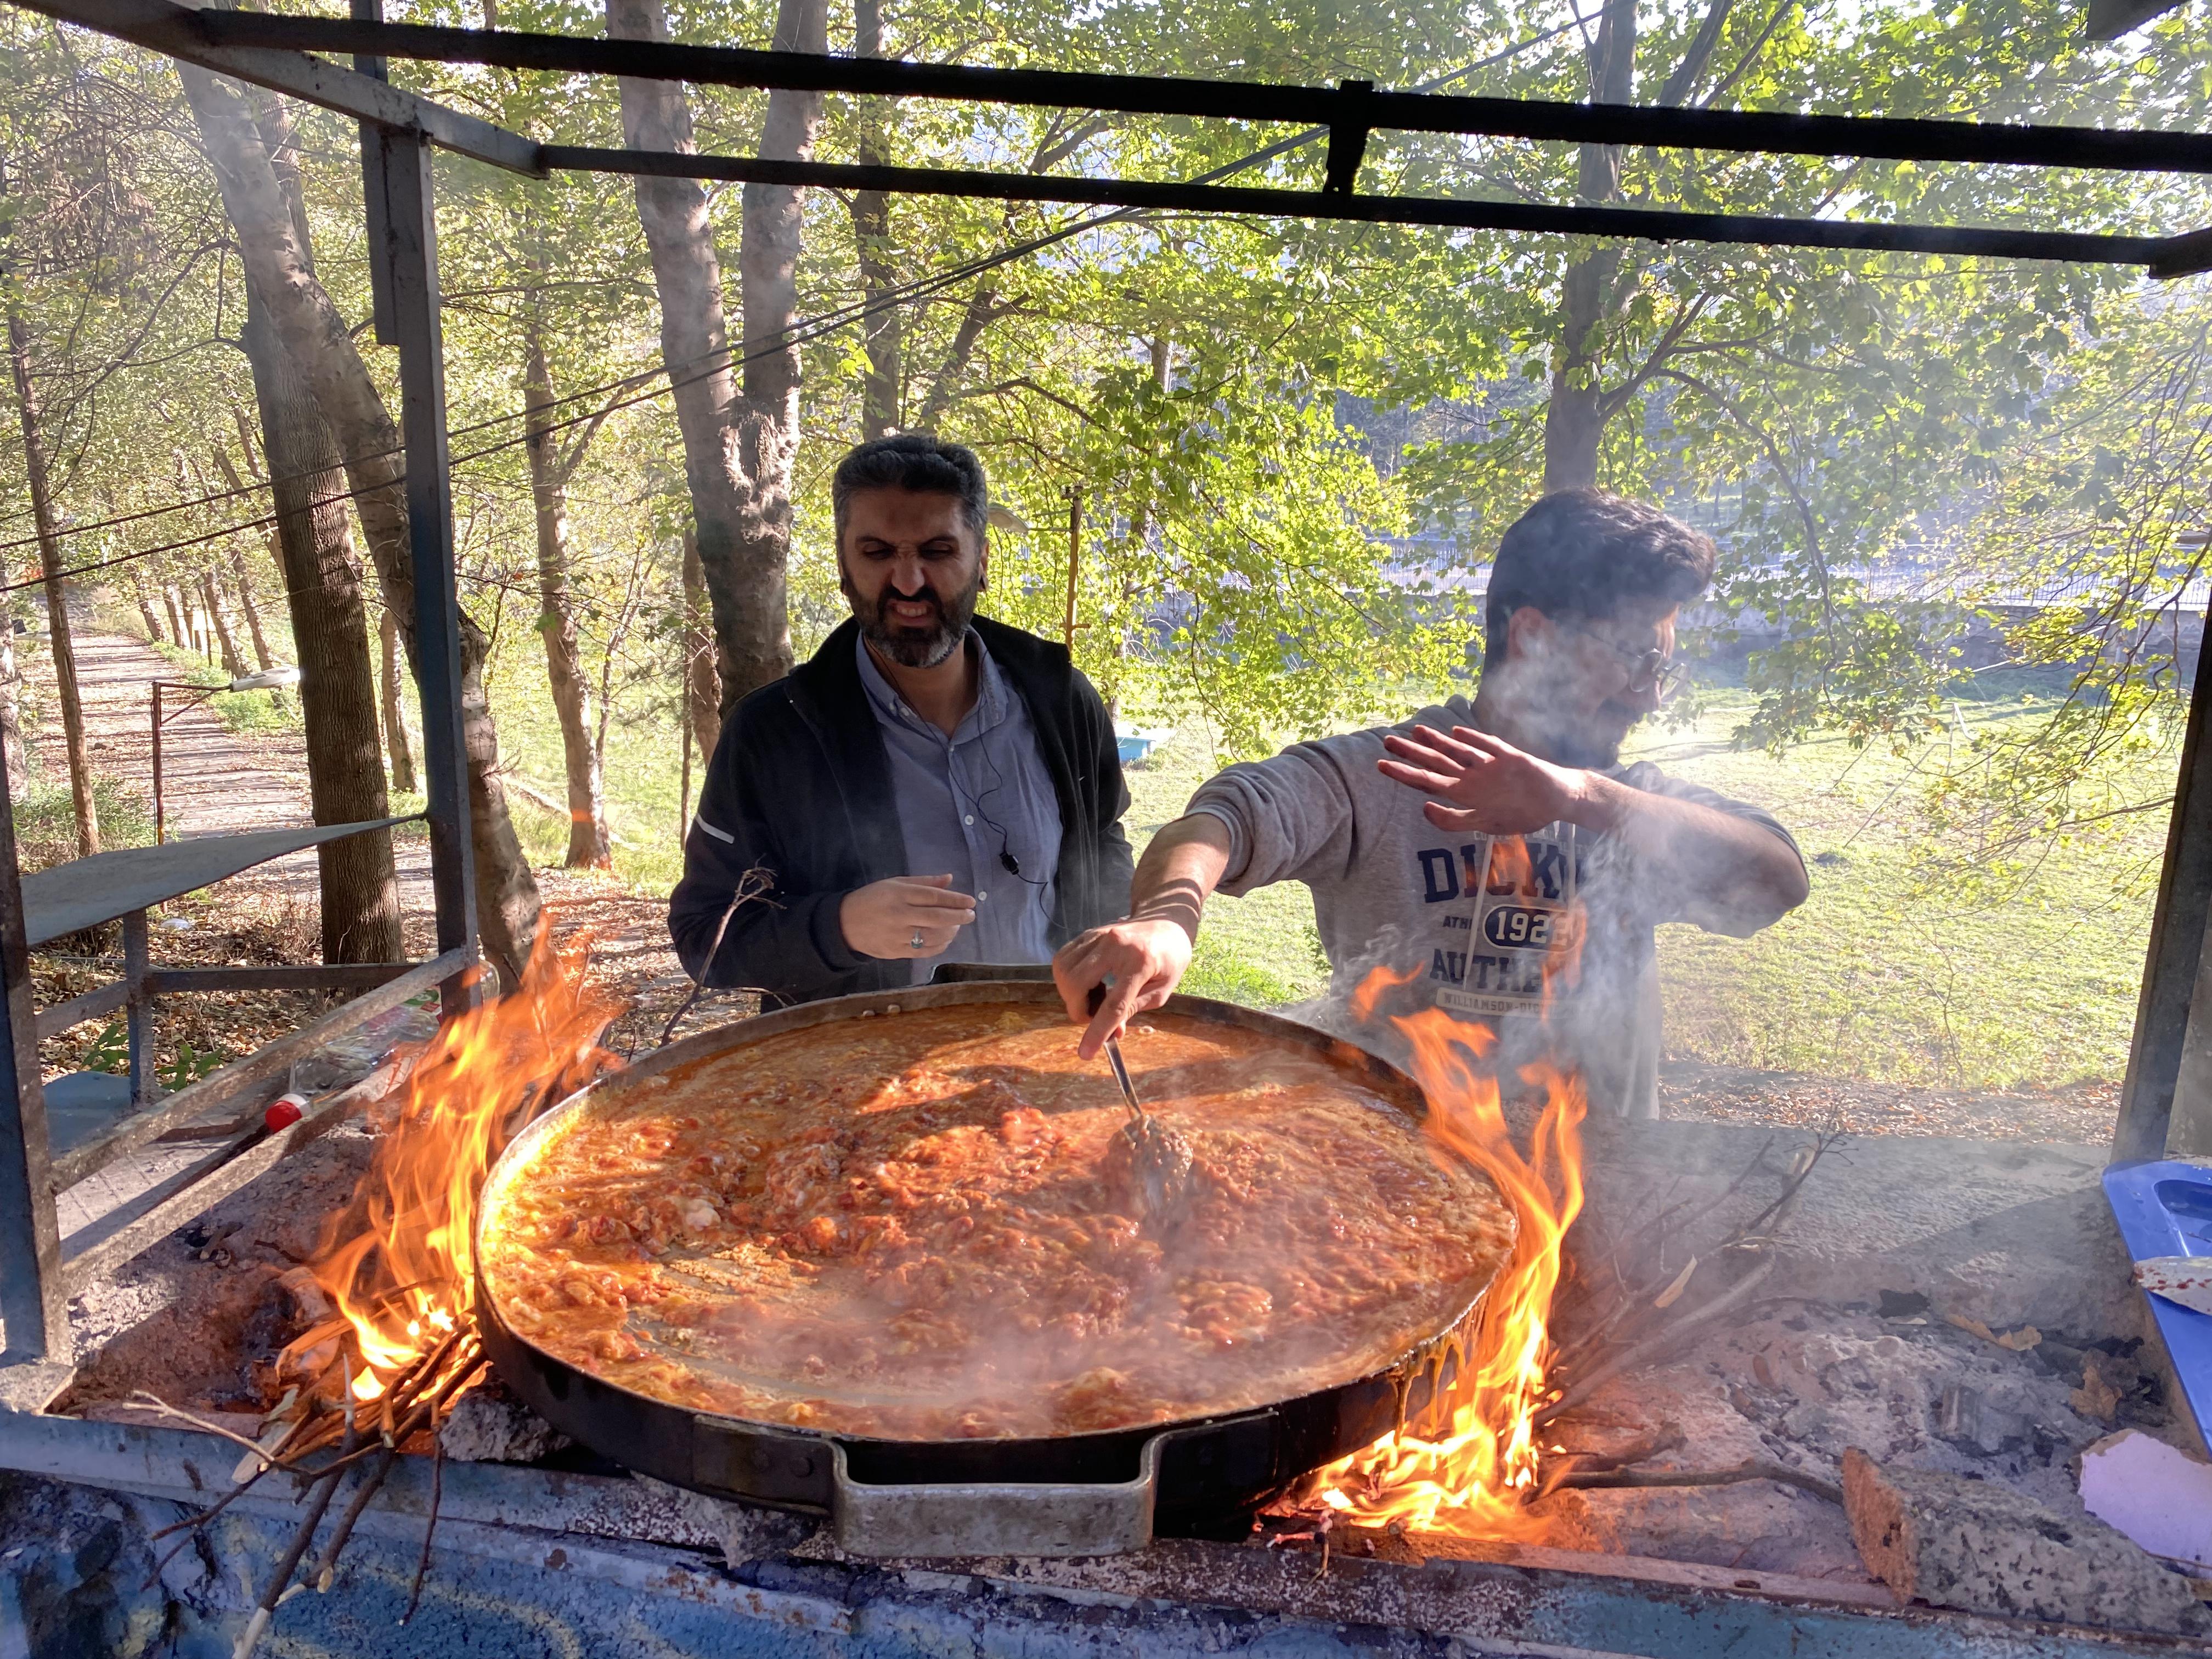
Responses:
[799,788]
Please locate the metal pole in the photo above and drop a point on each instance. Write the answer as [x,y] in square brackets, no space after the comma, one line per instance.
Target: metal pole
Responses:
[139,1010]
[2176,944]
[161,828]
[1074,560]
[34,1303]
[410,256]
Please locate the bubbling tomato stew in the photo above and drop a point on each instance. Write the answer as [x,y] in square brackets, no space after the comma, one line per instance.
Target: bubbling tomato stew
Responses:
[909,1226]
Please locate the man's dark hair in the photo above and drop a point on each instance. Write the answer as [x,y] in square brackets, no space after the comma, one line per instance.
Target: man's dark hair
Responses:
[1584,553]
[919,461]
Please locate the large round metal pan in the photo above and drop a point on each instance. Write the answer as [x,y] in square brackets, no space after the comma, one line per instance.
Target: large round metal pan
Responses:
[1072,1494]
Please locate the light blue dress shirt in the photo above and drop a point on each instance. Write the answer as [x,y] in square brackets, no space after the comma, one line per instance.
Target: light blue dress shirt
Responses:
[971,803]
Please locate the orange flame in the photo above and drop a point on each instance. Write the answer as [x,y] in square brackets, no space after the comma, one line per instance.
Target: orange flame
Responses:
[1472,1477]
[1511,871]
[397,1261]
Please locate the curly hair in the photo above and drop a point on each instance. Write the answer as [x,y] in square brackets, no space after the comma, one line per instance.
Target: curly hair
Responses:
[918,461]
[1585,553]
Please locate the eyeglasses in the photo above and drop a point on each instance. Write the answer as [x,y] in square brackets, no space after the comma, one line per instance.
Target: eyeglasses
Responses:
[1649,671]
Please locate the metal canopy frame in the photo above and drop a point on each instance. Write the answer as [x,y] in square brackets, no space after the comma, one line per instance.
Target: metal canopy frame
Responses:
[275,50]
[398,130]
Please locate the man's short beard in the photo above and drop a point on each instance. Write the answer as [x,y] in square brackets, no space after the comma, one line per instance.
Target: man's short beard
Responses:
[1595,751]
[910,648]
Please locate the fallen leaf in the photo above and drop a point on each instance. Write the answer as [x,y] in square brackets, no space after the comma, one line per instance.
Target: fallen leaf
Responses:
[1673,1293]
[2019,1341]
[2095,1397]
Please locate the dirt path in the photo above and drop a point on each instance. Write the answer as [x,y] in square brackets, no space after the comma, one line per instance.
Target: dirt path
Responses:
[213,781]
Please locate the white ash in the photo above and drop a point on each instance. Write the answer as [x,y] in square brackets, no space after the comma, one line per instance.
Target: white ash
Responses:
[490,1425]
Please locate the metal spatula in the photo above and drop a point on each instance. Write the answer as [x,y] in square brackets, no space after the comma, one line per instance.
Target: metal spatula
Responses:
[1149,1158]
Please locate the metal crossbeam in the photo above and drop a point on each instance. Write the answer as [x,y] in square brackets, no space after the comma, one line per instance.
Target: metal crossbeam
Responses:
[181,32]
[1349,107]
[1524,217]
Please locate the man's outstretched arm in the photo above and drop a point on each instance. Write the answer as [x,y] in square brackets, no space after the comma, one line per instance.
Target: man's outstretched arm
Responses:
[1740,875]
[1145,956]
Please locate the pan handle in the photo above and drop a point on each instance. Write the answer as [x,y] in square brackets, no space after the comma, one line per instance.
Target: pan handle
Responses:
[997,1518]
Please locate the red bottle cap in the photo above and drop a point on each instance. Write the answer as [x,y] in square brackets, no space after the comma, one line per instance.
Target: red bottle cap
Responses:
[283,1112]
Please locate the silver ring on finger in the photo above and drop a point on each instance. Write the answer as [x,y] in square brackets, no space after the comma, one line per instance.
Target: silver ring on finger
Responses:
[917,942]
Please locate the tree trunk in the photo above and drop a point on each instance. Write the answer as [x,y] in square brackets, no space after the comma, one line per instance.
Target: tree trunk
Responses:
[588,846]
[737,450]
[702,692]
[395,718]
[147,614]
[316,338]
[1574,421]
[262,660]
[239,567]
[232,663]
[872,233]
[11,707]
[982,306]
[338,700]
[767,274]
[180,635]
[50,564]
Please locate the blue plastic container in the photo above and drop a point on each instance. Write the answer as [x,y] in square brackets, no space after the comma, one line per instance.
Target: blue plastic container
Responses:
[2165,1208]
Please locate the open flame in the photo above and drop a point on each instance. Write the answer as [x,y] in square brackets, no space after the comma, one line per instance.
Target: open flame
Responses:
[396,1262]
[1473,1474]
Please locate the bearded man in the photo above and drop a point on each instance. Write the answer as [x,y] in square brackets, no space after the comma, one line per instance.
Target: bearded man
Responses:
[930,787]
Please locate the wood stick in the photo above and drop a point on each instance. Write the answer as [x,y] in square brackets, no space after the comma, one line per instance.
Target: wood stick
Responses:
[1668,1438]
[1592,1480]
[1651,1347]
[437,1485]
[324,1488]
[326,1569]
[1634,1305]
[267,1454]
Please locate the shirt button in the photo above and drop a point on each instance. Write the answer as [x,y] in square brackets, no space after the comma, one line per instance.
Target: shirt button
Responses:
[971,818]
[979,897]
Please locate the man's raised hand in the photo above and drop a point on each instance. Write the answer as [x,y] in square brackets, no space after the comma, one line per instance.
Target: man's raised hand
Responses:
[1492,788]
[1144,957]
[887,918]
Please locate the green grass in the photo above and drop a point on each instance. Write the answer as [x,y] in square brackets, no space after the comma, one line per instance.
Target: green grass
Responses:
[45,818]
[1883,973]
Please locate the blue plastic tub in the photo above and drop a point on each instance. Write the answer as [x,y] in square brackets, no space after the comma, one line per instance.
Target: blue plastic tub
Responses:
[2165,1208]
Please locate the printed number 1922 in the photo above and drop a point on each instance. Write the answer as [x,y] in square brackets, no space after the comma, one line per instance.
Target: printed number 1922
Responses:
[1512,925]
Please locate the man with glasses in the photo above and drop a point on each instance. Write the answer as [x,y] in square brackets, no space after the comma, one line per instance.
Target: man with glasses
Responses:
[1523,890]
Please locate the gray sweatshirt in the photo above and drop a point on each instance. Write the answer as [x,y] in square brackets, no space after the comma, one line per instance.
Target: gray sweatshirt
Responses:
[1474,922]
